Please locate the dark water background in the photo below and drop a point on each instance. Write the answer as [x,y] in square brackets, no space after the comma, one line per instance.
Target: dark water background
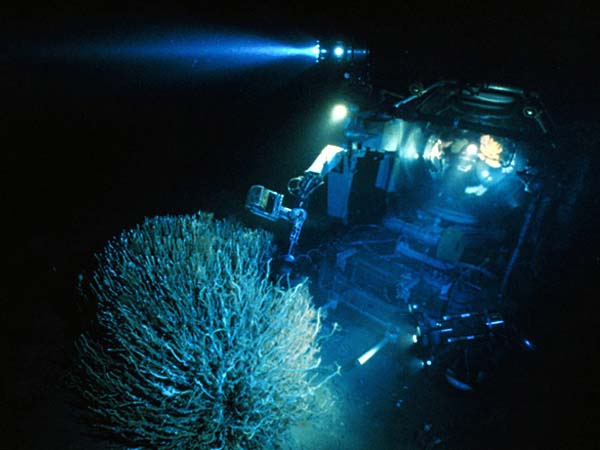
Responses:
[90,149]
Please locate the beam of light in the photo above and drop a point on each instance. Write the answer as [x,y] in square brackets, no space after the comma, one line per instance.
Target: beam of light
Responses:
[372,351]
[203,51]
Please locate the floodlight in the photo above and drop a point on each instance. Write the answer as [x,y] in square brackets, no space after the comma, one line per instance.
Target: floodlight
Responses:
[339,112]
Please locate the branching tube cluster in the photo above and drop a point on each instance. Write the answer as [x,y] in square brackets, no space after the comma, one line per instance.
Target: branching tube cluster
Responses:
[194,347]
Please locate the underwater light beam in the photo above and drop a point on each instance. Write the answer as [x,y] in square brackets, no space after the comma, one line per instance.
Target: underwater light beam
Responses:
[208,51]
[372,351]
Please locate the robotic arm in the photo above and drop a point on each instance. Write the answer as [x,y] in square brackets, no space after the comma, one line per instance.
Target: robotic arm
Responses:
[268,204]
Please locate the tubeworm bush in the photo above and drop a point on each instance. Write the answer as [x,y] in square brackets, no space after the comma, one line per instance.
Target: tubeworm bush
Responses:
[192,345]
